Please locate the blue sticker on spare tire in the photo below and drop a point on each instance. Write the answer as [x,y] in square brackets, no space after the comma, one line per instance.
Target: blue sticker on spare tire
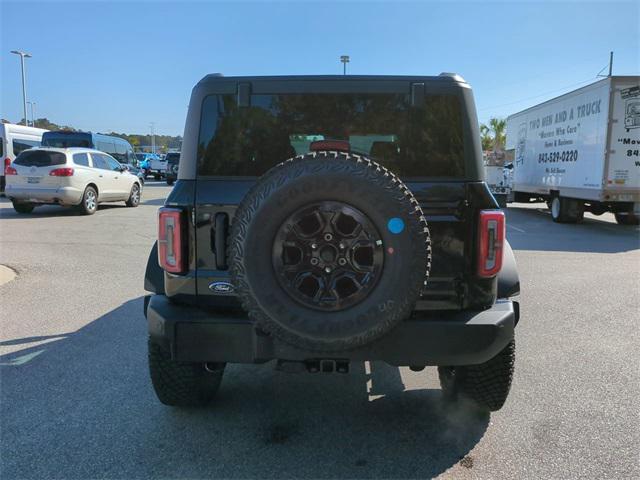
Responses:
[395,225]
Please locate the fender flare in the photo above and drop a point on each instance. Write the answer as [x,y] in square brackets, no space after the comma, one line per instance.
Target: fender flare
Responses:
[508,278]
[154,275]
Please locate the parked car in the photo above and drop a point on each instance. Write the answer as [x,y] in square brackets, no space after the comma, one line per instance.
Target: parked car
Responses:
[117,147]
[173,160]
[144,161]
[69,176]
[291,236]
[136,171]
[13,140]
[157,167]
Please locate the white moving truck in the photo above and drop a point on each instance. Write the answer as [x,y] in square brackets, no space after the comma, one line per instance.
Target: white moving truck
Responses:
[499,177]
[581,151]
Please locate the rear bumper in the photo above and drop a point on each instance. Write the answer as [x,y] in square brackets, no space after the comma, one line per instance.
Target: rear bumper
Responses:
[430,338]
[62,195]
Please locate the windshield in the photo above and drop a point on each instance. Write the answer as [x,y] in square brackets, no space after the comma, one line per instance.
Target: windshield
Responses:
[66,140]
[412,142]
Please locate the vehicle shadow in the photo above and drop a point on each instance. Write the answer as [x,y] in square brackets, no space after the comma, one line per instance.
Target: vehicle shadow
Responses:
[532,229]
[155,201]
[83,406]
[46,211]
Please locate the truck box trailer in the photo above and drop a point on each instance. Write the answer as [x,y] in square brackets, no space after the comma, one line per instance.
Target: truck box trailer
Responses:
[581,151]
[498,170]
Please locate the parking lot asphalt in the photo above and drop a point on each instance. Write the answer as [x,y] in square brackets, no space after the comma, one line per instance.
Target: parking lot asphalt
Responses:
[76,400]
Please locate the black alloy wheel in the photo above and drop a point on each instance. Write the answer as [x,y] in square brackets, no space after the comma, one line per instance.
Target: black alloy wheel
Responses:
[328,256]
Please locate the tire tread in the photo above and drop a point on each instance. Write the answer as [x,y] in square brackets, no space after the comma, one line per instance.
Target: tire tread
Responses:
[180,383]
[486,384]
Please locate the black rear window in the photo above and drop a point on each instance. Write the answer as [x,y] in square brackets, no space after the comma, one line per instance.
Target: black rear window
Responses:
[412,142]
[66,140]
[172,157]
[40,158]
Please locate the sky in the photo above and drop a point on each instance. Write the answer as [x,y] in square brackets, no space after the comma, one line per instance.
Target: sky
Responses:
[119,65]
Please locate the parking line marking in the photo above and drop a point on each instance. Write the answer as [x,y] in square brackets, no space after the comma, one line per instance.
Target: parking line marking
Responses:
[515,228]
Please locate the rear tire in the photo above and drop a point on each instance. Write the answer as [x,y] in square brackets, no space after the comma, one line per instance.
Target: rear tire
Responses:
[487,384]
[501,198]
[182,384]
[566,210]
[134,196]
[23,207]
[627,218]
[89,203]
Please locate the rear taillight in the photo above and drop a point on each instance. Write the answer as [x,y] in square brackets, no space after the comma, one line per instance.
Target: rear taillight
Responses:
[9,170]
[7,162]
[491,233]
[61,172]
[172,240]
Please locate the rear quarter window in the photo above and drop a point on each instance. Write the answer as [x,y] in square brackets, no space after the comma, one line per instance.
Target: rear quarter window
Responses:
[40,158]
[81,159]
[413,142]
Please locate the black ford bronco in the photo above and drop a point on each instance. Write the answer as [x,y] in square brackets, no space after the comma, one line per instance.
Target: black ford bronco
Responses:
[322,220]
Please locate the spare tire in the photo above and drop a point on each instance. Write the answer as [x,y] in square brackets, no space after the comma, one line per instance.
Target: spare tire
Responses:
[329,251]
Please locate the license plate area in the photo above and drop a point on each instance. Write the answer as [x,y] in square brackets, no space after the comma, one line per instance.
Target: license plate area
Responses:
[33,179]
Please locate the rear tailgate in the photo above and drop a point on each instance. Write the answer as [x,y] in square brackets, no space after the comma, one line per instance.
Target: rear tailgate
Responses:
[34,167]
[451,209]
[159,165]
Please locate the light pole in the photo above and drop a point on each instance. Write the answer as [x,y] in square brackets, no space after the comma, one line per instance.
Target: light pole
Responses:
[153,138]
[33,115]
[344,59]
[24,88]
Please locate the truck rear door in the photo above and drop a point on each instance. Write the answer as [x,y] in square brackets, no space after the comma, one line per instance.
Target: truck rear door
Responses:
[623,169]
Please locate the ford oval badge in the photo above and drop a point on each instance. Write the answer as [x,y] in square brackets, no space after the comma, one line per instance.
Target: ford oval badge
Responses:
[222,288]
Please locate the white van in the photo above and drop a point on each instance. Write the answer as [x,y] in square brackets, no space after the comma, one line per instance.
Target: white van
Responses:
[13,140]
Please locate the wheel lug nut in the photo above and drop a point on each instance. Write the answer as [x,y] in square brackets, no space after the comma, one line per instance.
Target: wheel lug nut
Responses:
[328,237]
[314,246]
[327,269]
[342,262]
[342,246]
[314,261]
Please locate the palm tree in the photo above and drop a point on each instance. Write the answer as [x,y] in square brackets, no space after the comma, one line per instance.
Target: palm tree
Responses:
[485,137]
[498,126]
